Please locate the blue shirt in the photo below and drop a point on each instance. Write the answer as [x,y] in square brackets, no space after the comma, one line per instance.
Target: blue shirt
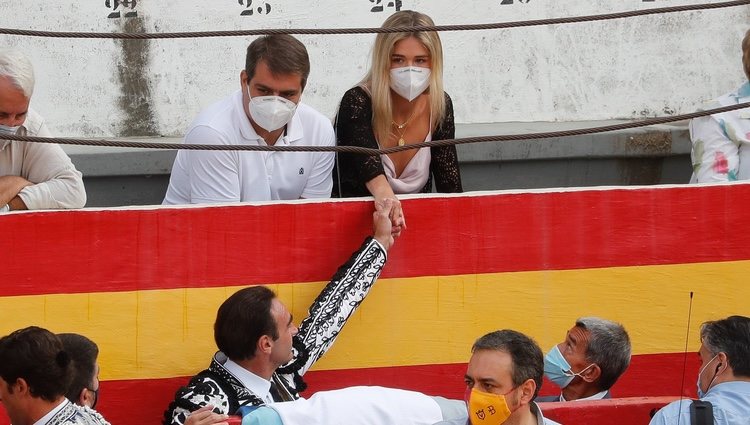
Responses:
[731,401]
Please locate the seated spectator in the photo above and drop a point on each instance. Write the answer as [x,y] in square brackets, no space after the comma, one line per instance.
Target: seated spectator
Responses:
[503,377]
[33,176]
[265,111]
[262,354]
[35,373]
[594,354]
[724,376]
[721,142]
[84,388]
[400,102]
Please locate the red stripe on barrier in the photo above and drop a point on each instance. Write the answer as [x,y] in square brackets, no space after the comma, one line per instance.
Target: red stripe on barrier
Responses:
[124,250]
[144,401]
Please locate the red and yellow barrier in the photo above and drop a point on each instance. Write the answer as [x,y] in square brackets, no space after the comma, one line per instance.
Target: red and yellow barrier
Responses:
[145,283]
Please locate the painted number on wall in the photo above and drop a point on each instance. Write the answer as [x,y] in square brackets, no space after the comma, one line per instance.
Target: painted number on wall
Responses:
[381,4]
[124,5]
[511,1]
[258,7]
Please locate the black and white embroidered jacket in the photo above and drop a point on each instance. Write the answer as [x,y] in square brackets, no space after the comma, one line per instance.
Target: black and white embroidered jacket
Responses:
[72,414]
[317,332]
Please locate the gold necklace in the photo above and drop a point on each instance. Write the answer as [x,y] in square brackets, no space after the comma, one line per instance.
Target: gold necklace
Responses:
[402,127]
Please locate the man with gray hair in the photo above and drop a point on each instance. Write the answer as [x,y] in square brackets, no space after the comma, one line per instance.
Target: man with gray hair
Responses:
[32,175]
[723,379]
[594,354]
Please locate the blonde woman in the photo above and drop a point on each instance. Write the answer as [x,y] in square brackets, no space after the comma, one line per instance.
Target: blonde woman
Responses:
[400,102]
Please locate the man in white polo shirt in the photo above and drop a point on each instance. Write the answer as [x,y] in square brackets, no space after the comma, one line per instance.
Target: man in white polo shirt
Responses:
[266,110]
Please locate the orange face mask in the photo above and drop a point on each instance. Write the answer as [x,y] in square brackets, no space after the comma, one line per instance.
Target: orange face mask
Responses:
[488,408]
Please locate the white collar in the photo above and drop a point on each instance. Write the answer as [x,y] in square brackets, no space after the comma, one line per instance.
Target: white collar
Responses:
[51,414]
[251,381]
[598,396]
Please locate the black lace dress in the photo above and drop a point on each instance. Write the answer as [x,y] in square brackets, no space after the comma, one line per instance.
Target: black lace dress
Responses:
[354,128]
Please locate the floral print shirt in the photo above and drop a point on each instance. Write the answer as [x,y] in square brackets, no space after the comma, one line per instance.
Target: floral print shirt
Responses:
[721,142]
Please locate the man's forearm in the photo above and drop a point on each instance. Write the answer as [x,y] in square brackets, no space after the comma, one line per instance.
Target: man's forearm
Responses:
[9,188]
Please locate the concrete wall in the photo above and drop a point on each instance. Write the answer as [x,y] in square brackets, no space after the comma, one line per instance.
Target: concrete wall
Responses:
[628,68]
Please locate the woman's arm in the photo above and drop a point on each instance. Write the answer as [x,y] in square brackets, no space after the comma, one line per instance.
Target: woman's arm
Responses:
[444,163]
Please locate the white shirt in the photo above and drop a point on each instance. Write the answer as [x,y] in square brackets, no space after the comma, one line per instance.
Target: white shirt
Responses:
[598,396]
[721,142]
[200,177]
[51,414]
[56,182]
[251,381]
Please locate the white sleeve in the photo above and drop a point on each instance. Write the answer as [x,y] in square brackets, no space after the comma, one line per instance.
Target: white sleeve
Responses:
[57,183]
[213,176]
[320,183]
[715,153]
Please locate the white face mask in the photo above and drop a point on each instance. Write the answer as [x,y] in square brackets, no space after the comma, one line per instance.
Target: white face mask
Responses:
[271,112]
[6,129]
[410,81]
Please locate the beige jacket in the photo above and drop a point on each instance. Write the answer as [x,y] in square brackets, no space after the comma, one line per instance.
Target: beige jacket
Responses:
[57,183]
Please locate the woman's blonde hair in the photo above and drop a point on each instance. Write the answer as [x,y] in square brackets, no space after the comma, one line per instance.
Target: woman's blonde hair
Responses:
[378,77]
[746,54]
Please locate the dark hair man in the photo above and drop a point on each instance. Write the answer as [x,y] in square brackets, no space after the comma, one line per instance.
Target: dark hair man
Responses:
[262,354]
[35,372]
[724,376]
[503,377]
[594,354]
[266,110]
[84,388]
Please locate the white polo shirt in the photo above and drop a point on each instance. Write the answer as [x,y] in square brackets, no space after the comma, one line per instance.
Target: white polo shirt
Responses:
[202,177]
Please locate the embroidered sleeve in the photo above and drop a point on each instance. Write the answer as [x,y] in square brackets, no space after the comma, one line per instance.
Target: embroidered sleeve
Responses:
[201,391]
[338,300]
[444,161]
[715,153]
[354,128]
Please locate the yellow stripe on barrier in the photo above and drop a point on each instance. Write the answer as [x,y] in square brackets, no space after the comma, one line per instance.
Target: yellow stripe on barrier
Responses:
[427,320]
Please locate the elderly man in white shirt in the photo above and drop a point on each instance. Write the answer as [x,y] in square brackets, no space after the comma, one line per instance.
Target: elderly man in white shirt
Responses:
[32,175]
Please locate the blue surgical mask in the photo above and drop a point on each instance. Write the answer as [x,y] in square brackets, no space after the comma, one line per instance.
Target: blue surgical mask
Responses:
[702,393]
[6,129]
[558,370]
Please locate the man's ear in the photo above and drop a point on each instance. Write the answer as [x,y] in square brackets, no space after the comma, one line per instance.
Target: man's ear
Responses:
[243,79]
[527,390]
[592,374]
[84,396]
[265,344]
[20,386]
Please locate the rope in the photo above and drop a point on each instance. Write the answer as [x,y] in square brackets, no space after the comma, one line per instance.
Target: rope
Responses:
[311,31]
[370,151]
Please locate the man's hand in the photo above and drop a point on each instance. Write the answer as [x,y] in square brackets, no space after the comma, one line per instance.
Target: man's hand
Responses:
[9,188]
[398,222]
[206,416]
[381,222]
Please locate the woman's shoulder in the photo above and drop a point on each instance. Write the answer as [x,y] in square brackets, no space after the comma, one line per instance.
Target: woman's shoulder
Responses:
[357,94]
[448,100]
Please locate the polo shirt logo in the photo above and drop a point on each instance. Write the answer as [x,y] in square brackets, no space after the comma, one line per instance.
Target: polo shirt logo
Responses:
[301,171]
